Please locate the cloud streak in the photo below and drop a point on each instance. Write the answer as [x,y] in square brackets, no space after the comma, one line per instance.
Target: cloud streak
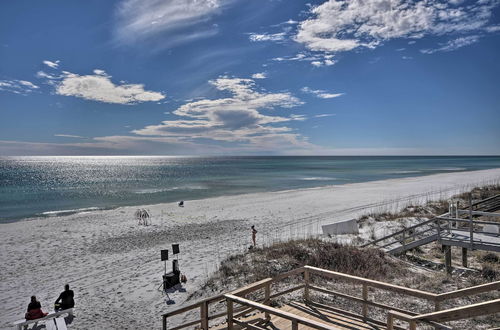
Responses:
[321,93]
[52,64]
[22,87]
[453,45]
[182,20]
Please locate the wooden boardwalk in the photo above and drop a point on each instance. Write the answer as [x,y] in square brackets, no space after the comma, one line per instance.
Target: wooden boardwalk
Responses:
[331,317]
[243,312]
[449,229]
[480,241]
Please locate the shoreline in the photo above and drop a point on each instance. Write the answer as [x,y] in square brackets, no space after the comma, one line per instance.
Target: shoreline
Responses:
[89,209]
[109,260]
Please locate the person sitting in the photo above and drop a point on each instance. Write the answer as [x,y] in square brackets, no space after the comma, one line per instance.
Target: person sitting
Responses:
[65,299]
[34,310]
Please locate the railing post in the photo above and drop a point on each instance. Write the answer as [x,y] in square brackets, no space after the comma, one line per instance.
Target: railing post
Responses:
[164,322]
[267,292]
[365,298]
[306,283]
[447,258]
[437,305]
[438,230]
[404,240]
[204,315]
[390,321]
[295,325]
[471,223]
[413,325]
[229,304]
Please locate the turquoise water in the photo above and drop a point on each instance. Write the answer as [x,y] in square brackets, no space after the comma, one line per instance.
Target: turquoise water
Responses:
[33,186]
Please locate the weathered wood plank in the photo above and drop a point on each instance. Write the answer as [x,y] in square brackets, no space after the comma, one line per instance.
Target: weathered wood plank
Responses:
[375,284]
[277,312]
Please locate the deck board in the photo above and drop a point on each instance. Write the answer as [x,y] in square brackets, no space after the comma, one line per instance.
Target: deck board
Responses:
[323,315]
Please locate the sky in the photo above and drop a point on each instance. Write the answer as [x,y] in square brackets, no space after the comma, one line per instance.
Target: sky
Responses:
[260,77]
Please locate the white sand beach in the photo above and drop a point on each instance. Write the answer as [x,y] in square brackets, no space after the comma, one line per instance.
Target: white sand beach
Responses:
[114,266]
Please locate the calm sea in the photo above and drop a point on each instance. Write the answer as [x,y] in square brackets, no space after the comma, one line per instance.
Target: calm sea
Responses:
[49,186]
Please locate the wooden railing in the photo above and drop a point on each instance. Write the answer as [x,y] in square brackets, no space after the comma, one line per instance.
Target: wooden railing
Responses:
[203,305]
[453,314]
[246,305]
[436,228]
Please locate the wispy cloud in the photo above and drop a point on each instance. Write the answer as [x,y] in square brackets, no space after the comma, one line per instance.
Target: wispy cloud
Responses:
[52,64]
[70,136]
[183,20]
[99,87]
[367,24]
[321,93]
[316,60]
[324,115]
[17,86]
[453,45]
[267,36]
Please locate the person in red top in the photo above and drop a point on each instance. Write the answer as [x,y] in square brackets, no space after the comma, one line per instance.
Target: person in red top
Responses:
[34,310]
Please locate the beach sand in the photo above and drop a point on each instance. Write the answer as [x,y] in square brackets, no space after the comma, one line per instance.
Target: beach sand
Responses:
[114,266]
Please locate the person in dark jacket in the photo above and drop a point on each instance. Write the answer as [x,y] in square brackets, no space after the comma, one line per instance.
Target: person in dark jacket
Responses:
[34,310]
[65,299]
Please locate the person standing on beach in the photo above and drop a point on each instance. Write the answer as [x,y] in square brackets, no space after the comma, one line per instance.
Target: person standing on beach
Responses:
[254,236]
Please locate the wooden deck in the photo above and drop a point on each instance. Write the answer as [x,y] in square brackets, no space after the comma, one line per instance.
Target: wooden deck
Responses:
[480,241]
[332,317]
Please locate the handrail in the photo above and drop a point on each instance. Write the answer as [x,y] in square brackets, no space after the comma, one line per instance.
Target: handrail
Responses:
[489,214]
[376,284]
[399,232]
[463,312]
[485,200]
[452,314]
[277,312]
[469,291]
[480,222]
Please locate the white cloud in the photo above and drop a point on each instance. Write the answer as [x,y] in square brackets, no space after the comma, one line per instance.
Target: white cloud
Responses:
[52,64]
[453,45]
[239,118]
[344,25]
[267,36]
[99,87]
[181,19]
[316,60]
[15,86]
[493,29]
[324,115]
[321,93]
[259,75]
[407,57]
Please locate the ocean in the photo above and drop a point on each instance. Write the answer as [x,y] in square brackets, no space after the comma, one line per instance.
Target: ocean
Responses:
[51,186]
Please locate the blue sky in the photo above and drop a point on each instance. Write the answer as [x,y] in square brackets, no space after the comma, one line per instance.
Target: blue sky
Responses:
[232,77]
